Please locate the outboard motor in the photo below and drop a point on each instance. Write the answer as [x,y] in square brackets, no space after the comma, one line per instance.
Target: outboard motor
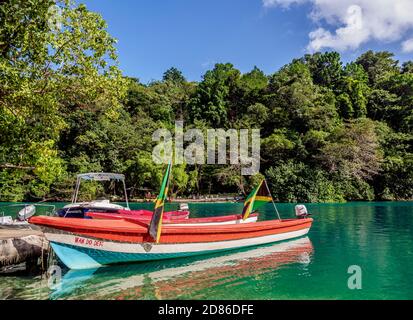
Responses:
[27,212]
[301,211]
[183,207]
[5,220]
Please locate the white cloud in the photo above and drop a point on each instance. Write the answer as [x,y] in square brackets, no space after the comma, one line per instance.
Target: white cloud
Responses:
[350,36]
[407,46]
[355,22]
[281,3]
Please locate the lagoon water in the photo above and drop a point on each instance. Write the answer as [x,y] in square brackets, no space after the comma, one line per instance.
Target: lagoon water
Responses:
[376,237]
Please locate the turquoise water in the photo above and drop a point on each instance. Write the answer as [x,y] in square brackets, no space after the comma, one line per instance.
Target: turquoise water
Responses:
[377,237]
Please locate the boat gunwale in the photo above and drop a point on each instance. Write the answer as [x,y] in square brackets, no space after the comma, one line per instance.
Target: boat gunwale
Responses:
[128,227]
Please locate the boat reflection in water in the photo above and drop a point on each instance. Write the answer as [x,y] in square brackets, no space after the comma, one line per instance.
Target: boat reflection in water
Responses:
[180,277]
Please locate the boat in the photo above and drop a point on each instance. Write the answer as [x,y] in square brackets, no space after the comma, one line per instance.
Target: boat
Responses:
[20,217]
[177,218]
[92,243]
[6,220]
[78,209]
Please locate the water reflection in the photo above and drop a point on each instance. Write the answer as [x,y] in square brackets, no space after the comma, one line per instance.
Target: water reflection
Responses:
[181,277]
[376,236]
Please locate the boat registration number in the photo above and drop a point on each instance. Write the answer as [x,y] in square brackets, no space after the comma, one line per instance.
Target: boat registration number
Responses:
[88,242]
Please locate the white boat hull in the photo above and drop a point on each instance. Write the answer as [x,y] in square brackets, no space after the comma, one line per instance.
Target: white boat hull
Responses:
[79,252]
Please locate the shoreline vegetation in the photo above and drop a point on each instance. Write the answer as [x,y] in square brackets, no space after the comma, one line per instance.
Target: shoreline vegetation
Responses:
[195,199]
[330,131]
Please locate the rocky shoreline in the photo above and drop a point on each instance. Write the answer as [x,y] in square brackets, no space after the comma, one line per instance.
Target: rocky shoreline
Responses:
[22,247]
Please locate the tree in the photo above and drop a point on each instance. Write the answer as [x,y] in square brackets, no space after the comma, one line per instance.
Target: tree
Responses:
[179,180]
[407,67]
[54,57]
[383,106]
[328,132]
[277,146]
[230,176]
[396,176]
[378,65]
[211,99]
[255,116]
[296,182]
[353,100]
[401,115]
[173,75]
[353,150]
[296,102]
[326,68]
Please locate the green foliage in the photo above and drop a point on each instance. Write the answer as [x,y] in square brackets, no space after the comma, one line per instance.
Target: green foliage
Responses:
[54,57]
[326,68]
[353,150]
[230,176]
[179,179]
[297,182]
[396,176]
[407,67]
[328,132]
[256,115]
[173,75]
[378,65]
[297,103]
[13,185]
[211,100]
[277,146]
[255,80]
[401,114]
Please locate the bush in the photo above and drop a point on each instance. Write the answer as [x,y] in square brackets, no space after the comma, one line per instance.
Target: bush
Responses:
[297,182]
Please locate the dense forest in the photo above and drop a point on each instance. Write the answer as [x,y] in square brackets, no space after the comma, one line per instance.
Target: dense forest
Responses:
[329,131]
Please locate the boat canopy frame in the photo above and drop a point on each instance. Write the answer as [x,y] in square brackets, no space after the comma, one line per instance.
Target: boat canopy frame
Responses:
[99,176]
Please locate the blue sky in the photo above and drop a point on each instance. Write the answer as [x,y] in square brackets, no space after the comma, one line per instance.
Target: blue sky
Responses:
[193,35]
